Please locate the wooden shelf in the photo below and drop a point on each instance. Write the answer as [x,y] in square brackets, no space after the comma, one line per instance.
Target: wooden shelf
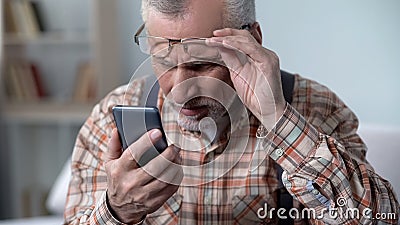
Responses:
[47,129]
[46,113]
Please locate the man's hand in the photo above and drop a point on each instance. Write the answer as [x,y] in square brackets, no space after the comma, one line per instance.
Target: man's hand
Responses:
[132,191]
[256,78]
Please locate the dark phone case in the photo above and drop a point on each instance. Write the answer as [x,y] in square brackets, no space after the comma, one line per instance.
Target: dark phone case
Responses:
[132,122]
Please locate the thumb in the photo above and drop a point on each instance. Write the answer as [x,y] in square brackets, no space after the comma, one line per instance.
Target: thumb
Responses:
[114,146]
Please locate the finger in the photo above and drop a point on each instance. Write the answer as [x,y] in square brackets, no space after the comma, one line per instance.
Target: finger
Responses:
[231,58]
[240,67]
[250,56]
[172,175]
[162,192]
[242,45]
[165,166]
[232,37]
[161,169]
[154,187]
[135,151]
[114,147]
[230,31]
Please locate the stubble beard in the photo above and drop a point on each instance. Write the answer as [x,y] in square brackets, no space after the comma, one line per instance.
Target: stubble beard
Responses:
[191,123]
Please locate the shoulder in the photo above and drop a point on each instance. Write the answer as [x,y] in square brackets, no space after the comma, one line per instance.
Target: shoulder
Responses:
[93,135]
[320,105]
[309,93]
[128,94]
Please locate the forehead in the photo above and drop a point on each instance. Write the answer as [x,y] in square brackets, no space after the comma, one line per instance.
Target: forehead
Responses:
[201,19]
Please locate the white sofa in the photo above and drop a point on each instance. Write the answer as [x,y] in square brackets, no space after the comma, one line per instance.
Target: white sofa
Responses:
[383,154]
[383,151]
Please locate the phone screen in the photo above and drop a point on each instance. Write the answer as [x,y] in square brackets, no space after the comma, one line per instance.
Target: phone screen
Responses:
[132,122]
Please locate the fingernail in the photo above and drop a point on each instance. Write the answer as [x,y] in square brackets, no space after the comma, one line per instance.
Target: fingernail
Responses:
[155,135]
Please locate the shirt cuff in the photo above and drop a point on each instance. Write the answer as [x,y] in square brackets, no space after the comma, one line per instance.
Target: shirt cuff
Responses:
[321,198]
[102,214]
[291,141]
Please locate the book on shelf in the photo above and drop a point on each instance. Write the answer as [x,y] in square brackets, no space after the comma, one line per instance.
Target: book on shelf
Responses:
[13,86]
[38,81]
[10,23]
[29,87]
[23,82]
[38,15]
[23,17]
[85,84]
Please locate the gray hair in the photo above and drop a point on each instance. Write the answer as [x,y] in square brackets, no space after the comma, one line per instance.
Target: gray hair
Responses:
[236,12]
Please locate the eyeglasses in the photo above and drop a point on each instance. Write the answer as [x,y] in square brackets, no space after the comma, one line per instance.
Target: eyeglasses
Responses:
[160,47]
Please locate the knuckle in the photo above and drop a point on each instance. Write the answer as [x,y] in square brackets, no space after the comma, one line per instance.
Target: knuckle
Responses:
[141,197]
[114,173]
[170,153]
[133,154]
[134,180]
[125,187]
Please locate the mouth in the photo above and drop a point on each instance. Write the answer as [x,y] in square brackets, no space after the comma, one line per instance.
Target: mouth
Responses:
[195,111]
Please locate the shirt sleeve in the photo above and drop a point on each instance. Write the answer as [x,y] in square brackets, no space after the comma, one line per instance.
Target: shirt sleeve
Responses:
[86,199]
[330,172]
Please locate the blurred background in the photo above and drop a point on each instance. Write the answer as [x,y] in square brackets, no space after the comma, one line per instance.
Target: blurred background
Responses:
[60,57]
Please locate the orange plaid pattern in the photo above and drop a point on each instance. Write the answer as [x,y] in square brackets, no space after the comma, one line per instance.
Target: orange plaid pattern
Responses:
[315,142]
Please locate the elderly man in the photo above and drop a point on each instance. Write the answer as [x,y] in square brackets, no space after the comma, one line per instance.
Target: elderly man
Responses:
[213,72]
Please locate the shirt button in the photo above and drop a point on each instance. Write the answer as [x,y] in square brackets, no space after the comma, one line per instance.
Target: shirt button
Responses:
[279,152]
[315,192]
[262,132]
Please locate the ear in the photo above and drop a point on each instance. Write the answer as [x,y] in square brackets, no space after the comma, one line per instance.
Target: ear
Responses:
[256,32]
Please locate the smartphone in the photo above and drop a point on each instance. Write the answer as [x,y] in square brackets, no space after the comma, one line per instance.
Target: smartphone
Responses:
[132,122]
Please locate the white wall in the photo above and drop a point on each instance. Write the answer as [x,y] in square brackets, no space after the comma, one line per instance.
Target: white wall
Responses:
[351,46]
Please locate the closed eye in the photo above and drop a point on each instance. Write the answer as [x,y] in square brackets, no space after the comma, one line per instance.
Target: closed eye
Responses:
[199,65]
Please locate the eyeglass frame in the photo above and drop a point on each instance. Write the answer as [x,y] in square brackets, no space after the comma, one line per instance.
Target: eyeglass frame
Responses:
[172,42]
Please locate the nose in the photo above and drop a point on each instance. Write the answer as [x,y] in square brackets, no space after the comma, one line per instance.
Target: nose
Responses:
[185,86]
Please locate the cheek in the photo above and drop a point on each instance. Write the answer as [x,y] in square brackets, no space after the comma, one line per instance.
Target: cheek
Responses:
[166,82]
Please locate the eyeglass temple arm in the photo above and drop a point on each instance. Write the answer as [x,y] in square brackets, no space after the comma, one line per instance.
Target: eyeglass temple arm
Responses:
[138,32]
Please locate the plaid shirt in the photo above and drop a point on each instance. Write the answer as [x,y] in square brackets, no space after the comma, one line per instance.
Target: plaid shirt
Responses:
[315,142]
